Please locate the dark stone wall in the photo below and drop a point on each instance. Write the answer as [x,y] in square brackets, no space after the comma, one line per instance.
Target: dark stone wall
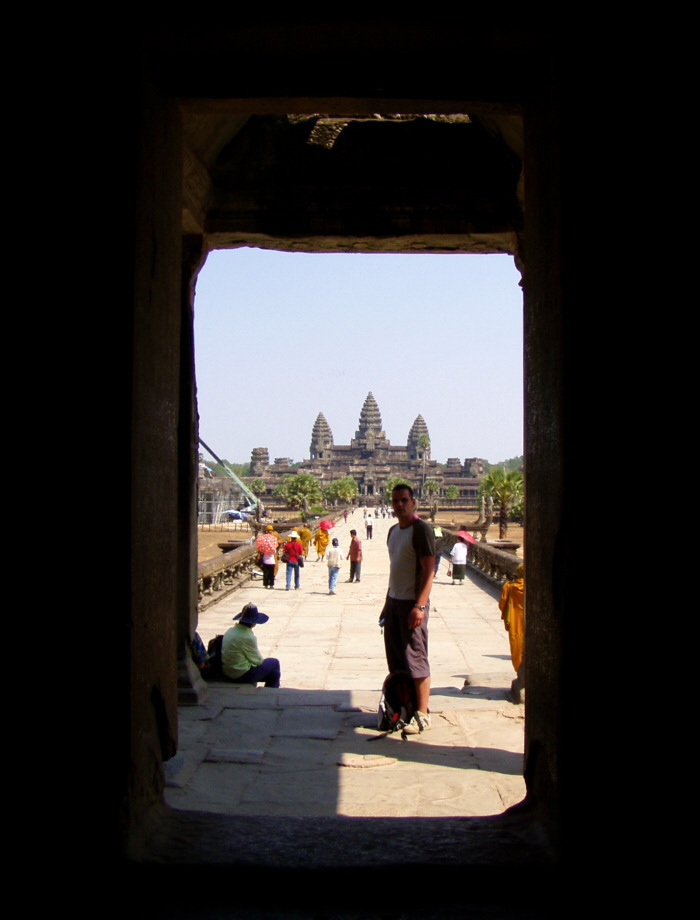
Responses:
[163,408]
[544,463]
[157,455]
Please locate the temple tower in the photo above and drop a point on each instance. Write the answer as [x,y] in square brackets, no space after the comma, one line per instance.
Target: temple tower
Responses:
[259,461]
[321,439]
[418,429]
[369,437]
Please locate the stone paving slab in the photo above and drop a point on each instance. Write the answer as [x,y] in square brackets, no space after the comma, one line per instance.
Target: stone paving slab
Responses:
[311,749]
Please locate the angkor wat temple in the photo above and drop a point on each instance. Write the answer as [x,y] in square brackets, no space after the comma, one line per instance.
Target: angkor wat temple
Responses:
[371,459]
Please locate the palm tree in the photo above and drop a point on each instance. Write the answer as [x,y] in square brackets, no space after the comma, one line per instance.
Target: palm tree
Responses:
[432,487]
[341,490]
[505,487]
[424,446]
[299,490]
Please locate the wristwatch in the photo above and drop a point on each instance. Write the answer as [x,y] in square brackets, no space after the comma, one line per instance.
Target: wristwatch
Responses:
[422,609]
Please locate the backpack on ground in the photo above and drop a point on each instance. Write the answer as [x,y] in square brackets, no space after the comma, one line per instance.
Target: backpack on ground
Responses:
[397,704]
[214,671]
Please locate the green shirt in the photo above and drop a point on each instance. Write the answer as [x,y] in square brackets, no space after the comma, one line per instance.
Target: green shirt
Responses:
[239,651]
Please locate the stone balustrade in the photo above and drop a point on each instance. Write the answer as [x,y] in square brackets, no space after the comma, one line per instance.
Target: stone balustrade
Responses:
[228,570]
[490,563]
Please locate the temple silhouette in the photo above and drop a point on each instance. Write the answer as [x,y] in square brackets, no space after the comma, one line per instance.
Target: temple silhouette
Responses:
[371,460]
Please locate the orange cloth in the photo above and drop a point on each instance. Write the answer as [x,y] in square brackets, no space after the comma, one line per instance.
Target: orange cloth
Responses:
[321,540]
[305,539]
[512,610]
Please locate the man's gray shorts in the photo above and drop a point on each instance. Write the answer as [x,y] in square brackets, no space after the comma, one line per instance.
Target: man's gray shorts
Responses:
[406,649]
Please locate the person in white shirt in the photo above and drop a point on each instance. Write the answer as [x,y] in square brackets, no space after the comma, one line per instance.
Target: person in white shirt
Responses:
[334,557]
[458,558]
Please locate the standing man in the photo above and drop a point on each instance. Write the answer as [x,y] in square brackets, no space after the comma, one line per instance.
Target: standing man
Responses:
[369,524]
[405,615]
[335,557]
[355,556]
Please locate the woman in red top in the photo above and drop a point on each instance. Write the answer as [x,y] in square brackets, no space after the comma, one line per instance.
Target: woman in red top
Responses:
[293,551]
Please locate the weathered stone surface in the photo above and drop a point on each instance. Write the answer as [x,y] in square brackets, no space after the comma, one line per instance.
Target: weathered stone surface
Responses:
[224,755]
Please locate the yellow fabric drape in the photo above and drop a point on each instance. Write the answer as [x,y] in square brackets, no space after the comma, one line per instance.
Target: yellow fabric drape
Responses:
[321,540]
[305,539]
[279,543]
[513,615]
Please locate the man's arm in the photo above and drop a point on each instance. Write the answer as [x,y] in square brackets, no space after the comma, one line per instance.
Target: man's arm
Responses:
[427,572]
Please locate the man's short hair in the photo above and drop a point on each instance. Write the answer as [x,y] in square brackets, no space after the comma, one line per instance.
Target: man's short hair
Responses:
[402,485]
[353,533]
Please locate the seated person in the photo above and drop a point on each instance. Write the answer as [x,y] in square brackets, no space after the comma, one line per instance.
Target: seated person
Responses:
[241,660]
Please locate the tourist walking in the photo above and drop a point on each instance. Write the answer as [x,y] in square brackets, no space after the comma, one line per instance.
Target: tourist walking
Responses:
[267,545]
[321,540]
[268,565]
[458,560]
[305,538]
[369,523]
[292,552]
[355,556]
[334,558]
[271,530]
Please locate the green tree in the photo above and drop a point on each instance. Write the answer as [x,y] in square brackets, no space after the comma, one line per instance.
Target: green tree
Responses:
[395,481]
[452,492]
[341,490]
[515,463]
[299,491]
[424,446]
[257,486]
[506,487]
[431,487]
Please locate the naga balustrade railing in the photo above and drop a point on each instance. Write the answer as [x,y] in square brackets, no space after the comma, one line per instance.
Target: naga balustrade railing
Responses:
[489,562]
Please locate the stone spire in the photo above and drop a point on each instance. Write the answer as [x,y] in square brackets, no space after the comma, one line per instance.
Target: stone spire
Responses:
[259,461]
[370,420]
[418,428]
[321,437]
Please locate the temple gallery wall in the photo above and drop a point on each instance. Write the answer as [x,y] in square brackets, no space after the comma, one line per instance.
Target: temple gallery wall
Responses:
[371,460]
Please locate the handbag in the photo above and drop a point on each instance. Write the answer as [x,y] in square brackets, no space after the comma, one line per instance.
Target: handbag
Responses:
[301,562]
[285,557]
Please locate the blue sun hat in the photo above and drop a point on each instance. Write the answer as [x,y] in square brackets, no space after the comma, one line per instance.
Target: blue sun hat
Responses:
[250,615]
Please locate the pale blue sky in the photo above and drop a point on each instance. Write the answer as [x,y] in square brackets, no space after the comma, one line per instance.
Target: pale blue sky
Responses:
[280,337]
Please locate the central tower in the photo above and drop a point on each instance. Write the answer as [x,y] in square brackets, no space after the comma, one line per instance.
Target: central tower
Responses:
[370,438]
